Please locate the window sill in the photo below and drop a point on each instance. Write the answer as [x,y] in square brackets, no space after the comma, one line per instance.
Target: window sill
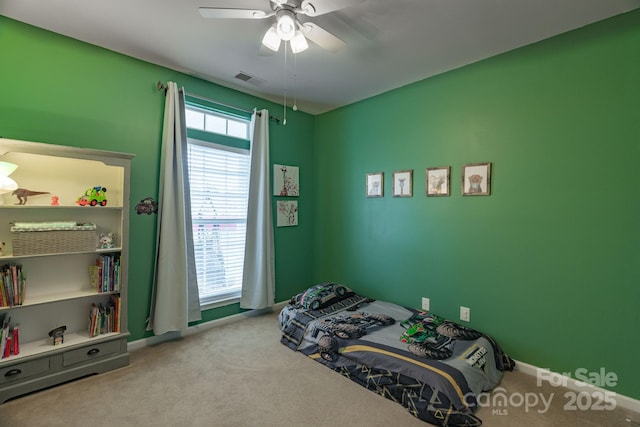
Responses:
[208,305]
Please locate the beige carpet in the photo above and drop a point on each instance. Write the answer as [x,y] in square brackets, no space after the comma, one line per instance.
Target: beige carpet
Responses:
[239,375]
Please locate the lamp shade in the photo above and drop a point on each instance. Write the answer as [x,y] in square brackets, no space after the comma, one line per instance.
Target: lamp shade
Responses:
[7,168]
[299,42]
[7,184]
[286,25]
[271,39]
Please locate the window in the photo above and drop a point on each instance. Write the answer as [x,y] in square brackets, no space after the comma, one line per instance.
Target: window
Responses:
[209,121]
[218,162]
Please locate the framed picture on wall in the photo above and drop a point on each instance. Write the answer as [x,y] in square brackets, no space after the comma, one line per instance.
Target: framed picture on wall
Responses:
[287,213]
[375,184]
[438,183]
[403,183]
[286,180]
[476,179]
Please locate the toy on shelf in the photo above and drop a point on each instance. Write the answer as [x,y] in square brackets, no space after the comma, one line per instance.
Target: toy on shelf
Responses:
[58,334]
[23,193]
[93,196]
[55,201]
[105,241]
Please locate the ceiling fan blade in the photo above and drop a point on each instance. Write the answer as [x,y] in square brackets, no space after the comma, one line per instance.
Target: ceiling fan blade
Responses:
[321,37]
[320,7]
[229,13]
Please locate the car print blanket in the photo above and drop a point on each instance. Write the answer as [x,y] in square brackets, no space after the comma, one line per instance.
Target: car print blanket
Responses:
[432,366]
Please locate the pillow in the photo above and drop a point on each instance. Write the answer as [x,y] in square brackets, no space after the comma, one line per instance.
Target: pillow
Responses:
[320,296]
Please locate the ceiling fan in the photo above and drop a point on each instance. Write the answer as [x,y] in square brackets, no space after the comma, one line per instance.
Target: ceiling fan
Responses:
[287,27]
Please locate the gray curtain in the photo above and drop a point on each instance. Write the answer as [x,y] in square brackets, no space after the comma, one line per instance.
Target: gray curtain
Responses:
[175,301]
[258,282]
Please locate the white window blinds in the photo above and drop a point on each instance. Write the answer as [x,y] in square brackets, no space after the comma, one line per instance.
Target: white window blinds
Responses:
[219,179]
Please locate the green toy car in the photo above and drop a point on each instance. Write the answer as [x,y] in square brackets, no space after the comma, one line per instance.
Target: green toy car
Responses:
[93,196]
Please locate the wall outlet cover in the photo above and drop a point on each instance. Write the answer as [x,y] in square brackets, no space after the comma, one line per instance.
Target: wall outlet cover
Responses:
[425,304]
[465,314]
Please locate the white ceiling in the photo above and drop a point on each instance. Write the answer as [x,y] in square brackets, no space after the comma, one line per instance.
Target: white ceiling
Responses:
[388,43]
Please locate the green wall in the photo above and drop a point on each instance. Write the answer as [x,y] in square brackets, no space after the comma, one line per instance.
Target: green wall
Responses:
[547,263]
[61,91]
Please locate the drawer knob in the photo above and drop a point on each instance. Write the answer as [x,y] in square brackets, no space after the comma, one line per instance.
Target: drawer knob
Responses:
[93,351]
[13,373]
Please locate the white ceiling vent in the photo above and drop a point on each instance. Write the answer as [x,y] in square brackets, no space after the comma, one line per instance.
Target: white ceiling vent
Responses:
[249,78]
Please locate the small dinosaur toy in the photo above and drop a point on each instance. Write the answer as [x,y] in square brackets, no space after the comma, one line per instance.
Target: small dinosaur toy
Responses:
[23,193]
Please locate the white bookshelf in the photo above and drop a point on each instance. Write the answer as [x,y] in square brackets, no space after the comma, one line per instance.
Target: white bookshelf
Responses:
[58,290]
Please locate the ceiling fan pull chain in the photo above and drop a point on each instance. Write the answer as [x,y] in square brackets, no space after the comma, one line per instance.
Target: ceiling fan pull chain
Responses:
[284,122]
[295,82]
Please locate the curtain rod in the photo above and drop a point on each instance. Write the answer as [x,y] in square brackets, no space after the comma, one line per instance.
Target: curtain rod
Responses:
[164,88]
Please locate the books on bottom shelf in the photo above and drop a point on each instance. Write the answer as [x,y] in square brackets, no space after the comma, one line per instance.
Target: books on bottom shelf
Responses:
[105,318]
[9,337]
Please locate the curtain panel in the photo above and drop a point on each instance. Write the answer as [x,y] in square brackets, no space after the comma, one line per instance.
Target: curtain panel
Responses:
[258,283]
[175,301]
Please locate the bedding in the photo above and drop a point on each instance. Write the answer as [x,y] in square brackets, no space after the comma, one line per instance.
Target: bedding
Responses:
[432,366]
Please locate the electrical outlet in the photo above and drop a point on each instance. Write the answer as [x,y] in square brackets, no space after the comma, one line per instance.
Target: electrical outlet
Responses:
[425,304]
[465,314]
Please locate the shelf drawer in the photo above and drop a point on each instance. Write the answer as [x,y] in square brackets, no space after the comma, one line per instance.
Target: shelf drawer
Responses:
[90,352]
[21,371]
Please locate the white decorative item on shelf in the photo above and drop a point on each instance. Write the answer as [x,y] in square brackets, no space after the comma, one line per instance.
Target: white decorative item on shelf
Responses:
[7,185]
[106,241]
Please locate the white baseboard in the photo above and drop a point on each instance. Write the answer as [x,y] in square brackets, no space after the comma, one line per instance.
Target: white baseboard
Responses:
[157,339]
[622,401]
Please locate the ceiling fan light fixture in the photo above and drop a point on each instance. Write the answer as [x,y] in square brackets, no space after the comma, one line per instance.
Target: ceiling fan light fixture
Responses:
[271,39]
[299,42]
[286,25]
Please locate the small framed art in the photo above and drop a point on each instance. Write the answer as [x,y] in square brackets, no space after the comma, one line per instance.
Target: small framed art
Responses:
[286,180]
[375,184]
[403,183]
[287,213]
[438,181]
[476,179]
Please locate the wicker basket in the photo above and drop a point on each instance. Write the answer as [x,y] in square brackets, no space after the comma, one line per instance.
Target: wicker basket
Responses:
[54,241]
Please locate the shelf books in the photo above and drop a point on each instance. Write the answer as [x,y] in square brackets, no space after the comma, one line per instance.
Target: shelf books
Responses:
[105,318]
[12,285]
[105,274]
[9,337]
